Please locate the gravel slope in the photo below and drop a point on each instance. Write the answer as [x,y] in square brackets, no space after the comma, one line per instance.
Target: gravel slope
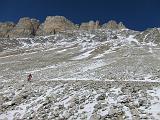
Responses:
[79,75]
[87,100]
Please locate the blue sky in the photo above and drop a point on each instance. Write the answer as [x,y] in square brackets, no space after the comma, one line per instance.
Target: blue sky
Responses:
[135,14]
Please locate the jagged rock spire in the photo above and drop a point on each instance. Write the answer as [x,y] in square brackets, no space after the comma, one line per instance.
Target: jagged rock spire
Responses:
[27,27]
[113,25]
[91,25]
[5,28]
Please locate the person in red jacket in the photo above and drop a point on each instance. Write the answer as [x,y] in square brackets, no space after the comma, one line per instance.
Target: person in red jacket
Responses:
[29,77]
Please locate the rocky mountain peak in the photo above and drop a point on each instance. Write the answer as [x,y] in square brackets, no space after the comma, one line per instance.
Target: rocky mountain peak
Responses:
[113,25]
[25,27]
[121,25]
[5,28]
[91,25]
[29,27]
[149,35]
[56,24]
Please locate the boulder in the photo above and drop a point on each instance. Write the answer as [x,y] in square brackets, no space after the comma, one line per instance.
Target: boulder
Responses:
[101,97]
[1,48]
[26,27]
[91,25]
[66,114]
[98,106]
[95,117]
[55,24]
[5,28]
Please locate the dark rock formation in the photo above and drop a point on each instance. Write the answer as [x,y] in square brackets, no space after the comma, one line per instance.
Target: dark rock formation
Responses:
[35,24]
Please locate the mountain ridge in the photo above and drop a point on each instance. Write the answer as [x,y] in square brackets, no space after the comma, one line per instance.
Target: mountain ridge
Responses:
[30,27]
[90,73]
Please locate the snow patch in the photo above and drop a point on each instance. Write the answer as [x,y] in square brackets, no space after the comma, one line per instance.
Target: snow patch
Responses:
[132,39]
[93,65]
[42,69]
[82,56]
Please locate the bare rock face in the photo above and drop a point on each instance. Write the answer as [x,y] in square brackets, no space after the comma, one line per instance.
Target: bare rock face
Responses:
[55,24]
[40,30]
[95,117]
[35,24]
[121,26]
[91,25]
[5,28]
[149,35]
[113,25]
[26,27]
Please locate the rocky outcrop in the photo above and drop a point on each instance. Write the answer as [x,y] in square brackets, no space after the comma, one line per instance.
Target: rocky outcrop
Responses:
[121,26]
[54,100]
[149,35]
[91,25]
[35,24]
[113,25]
[40,30]
[26,27]
[5,28]
[95,117]
[55,24]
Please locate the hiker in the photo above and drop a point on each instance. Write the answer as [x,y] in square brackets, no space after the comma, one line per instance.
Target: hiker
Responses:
[29,77]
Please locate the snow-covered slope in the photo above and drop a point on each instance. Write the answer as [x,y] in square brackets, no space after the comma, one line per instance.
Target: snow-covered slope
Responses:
[77,100]
[98,55]
[115,64]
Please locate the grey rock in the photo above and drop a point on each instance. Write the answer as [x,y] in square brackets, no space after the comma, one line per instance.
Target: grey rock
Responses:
[67,114]
[149,35]
[98,106]
[134,112]
[81,107]
[101,97]
[20,97]
[143,101]
[61,107]
[95,117]
[144,117]
[56,114]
